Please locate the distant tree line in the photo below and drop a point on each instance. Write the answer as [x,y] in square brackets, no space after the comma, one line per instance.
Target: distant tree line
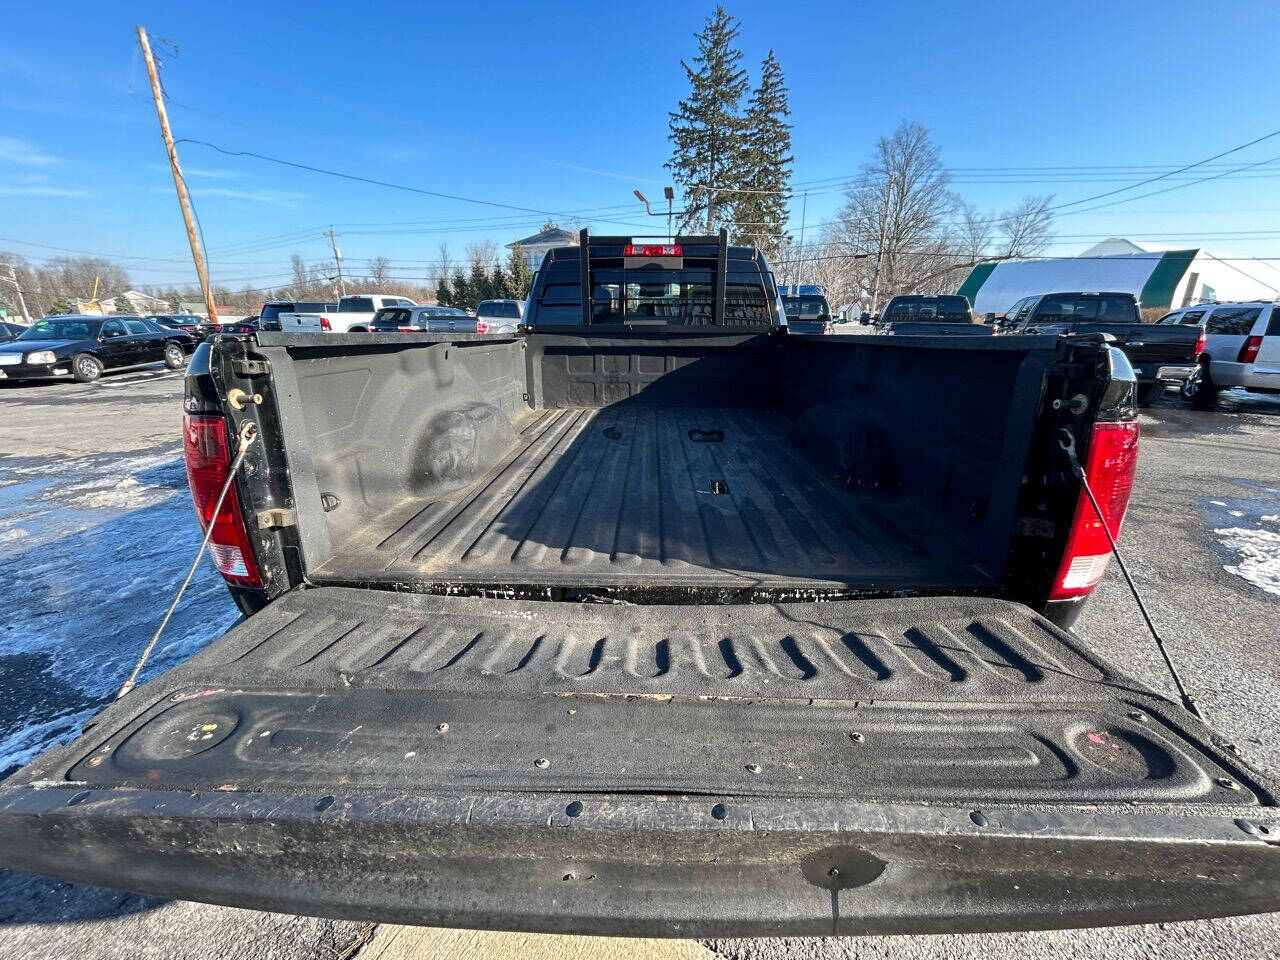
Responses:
[485,282]
[54,286]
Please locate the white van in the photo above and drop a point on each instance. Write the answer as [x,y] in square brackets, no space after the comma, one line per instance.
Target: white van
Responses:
[1242,347]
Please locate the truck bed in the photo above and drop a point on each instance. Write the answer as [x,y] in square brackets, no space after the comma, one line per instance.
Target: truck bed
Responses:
[525,710]
[626,497]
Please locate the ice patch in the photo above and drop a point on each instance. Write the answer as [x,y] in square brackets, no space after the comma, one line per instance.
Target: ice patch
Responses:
[1217,503]
[1270,518]
[1259,552]
[25,744]
[102,546]
[1236,513]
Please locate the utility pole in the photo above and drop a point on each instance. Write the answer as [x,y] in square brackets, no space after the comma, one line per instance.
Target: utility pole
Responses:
[22,303]
[337,258]
[804,210]
[184,199]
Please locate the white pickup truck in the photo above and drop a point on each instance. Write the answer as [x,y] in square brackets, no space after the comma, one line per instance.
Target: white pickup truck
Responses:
[354,315]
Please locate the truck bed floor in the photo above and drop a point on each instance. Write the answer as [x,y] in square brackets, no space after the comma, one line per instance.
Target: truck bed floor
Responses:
[657,497]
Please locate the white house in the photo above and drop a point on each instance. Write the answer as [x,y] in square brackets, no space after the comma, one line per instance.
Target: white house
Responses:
[1159,277]
[535,248]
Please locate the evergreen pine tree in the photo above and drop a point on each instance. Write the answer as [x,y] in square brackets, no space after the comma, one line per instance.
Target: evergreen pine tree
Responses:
[706,129]
[500,283]
[766,163]
[444,296]
[478,285]
[461,292]
[519,277]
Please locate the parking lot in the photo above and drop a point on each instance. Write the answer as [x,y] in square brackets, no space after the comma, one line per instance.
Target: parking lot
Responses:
[96,531]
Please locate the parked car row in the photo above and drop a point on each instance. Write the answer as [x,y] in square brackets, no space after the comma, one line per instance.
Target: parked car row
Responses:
[84,347]
[1160,354]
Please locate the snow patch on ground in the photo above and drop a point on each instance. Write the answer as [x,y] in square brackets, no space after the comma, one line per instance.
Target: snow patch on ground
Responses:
[1259,552]
[91,551]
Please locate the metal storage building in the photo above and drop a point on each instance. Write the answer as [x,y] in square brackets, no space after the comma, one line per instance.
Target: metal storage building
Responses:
[1159,278]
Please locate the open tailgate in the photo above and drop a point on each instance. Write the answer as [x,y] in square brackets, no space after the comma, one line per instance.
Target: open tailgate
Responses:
[870,766]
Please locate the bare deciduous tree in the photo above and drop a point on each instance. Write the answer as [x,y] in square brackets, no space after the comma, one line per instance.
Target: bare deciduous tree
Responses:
[973,231]
[1027,228]
[483,254]
[379,272]
[896,211]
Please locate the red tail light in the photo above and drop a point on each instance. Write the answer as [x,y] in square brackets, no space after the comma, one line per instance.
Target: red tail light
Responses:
[1110,468]
[1249,352]
[325,324]
[1200,343]
[207,450]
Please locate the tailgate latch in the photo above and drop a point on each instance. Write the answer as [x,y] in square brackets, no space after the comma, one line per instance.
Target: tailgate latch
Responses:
[277,517]
[250,368]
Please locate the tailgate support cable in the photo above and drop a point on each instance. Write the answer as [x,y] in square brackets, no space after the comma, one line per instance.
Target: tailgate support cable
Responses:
[248,433]
[1067,441]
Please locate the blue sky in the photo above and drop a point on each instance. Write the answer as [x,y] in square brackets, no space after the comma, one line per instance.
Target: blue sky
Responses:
[562,107]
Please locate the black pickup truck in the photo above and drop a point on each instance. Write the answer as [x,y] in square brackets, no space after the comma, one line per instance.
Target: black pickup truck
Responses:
[1158,355]
[658,619]
[915,315]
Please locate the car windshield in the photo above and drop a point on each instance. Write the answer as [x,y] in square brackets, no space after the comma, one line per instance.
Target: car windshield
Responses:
[929,309]
[1108,308]
[61,329]
[805,308]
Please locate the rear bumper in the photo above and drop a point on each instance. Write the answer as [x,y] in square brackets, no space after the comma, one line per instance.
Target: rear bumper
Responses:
[1151,372]
[1180,371]
[653,866]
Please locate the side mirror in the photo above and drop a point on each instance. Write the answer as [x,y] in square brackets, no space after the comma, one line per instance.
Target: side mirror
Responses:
[865,318]
[989,318]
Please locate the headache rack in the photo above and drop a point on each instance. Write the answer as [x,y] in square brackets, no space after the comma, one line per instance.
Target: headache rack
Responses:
[697,246]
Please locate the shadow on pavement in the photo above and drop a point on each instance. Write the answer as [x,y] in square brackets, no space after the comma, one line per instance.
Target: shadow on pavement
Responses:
[28,899]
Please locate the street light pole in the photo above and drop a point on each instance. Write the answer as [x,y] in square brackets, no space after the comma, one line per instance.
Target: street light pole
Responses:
[670,194]
[804,209]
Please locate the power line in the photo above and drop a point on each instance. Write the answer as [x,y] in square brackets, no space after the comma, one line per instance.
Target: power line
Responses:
[1183,169]
[439,195]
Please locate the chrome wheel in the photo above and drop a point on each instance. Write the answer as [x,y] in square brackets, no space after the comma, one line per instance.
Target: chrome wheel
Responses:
[86,368]
[173,356]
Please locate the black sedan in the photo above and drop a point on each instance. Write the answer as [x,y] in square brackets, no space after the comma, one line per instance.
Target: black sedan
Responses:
[187,339]
[83,347]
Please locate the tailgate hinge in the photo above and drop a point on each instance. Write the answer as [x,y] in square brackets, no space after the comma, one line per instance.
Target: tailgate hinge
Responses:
[278,517]
[250,368]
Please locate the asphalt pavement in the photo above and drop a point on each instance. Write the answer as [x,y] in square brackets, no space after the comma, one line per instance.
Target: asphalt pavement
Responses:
[95,527]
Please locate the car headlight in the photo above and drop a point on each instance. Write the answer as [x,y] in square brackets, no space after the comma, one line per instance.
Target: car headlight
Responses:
[42,356]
